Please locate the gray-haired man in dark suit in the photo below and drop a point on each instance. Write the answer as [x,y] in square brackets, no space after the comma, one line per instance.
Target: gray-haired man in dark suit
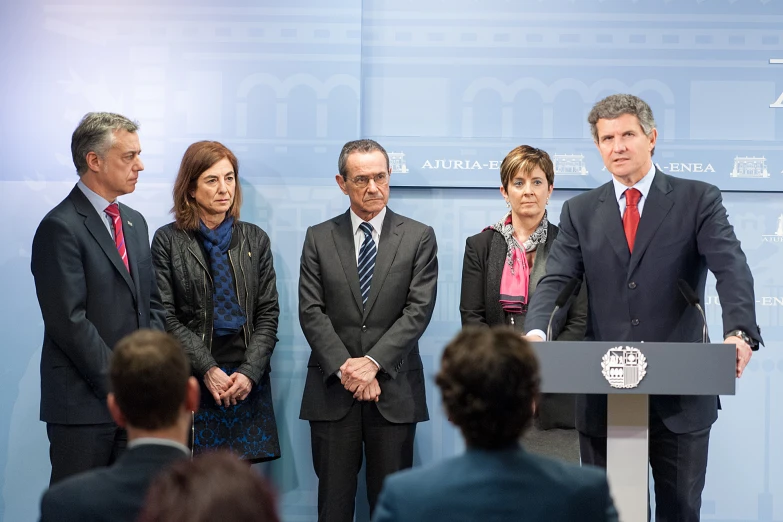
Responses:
[95,284]
[366,294]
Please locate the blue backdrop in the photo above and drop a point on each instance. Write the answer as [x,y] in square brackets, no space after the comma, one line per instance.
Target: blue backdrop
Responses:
[449,88]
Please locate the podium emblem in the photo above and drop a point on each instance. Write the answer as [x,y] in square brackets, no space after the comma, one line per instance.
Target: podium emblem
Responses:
[624,367]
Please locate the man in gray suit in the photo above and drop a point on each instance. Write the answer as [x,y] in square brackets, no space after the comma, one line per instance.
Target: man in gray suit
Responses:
[366,293]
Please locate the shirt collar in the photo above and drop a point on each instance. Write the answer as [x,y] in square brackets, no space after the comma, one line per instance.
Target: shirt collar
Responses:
[376,222]
[97,201]
[643,185]
[145,441]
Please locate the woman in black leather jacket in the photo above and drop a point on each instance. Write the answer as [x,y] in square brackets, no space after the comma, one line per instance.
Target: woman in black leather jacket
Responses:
[217,283]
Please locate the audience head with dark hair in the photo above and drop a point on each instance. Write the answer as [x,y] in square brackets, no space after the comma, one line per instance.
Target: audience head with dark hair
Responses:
[489,378]
[152,391]
[489,381]
[213,486]
[152,395]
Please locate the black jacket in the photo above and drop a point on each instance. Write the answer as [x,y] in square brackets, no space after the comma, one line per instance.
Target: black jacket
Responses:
[185,286]
[482,269]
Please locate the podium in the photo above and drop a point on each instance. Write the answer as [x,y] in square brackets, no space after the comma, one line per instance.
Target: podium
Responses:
[671,369]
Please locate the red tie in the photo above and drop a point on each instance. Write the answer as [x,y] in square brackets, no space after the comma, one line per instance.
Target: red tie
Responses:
[113,210]
[631,215]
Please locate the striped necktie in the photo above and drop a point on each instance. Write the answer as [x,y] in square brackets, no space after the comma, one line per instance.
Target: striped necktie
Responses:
[113,211]
[367,254]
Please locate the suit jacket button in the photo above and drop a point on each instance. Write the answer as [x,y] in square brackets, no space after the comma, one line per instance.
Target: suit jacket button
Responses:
[364,328]
[635,322]
[632,285]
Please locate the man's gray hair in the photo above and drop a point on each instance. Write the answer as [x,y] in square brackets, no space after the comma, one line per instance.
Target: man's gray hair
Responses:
[615,106]
[363,146]
[95,133]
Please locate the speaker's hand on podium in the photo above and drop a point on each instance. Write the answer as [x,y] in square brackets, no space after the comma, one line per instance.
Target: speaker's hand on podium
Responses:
[743,352]
[533,338]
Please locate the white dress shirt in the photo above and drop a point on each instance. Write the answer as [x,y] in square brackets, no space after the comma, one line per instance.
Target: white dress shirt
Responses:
[358,233]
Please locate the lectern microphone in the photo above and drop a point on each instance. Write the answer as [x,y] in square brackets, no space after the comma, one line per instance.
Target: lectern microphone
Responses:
[562,300]
[693,300]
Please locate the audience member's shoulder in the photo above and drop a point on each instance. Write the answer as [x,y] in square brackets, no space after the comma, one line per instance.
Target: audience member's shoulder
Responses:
[409,481]
[74,498]
[570,476]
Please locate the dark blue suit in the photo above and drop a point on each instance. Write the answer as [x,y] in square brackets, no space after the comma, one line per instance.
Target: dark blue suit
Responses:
[496,486]
[113,494]
[683,232]
[88,301]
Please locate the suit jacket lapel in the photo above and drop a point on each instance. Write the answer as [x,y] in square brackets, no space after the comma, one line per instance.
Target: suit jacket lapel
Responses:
[132,248]
[391,235]
[539,263]
[495,262]
[97,228]
[608,216]
[342,233]
[655,209]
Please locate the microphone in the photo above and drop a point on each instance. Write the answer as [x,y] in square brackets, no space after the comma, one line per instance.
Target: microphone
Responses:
[562,299]
[693,300]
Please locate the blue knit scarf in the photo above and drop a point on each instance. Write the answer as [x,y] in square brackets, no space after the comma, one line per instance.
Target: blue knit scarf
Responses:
[228,316]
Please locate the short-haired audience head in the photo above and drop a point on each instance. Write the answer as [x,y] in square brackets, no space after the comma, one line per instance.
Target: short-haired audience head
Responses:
[150,381]
[207,183]
[490,382]
[213,486]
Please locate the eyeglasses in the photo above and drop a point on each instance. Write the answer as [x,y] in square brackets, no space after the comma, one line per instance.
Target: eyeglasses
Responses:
[362,181]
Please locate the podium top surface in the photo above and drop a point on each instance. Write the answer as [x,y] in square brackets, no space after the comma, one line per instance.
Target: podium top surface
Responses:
[668,368]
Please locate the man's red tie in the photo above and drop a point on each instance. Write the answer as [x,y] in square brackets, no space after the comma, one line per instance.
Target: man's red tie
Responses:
[113,210]
[631,215]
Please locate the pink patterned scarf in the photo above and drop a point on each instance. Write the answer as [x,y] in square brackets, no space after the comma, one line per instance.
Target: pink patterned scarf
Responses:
[515,280]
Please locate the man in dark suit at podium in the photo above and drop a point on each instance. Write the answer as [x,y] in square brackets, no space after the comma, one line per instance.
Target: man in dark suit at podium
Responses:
[489,381]
[153,396]
[631,240]
[95,284]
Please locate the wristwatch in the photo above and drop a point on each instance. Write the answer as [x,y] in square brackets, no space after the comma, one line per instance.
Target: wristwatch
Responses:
[742,335]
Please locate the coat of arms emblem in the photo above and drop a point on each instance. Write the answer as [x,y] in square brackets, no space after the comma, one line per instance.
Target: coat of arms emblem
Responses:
[624,367]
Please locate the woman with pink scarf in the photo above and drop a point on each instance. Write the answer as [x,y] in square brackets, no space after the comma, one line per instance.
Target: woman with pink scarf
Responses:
[502,266]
